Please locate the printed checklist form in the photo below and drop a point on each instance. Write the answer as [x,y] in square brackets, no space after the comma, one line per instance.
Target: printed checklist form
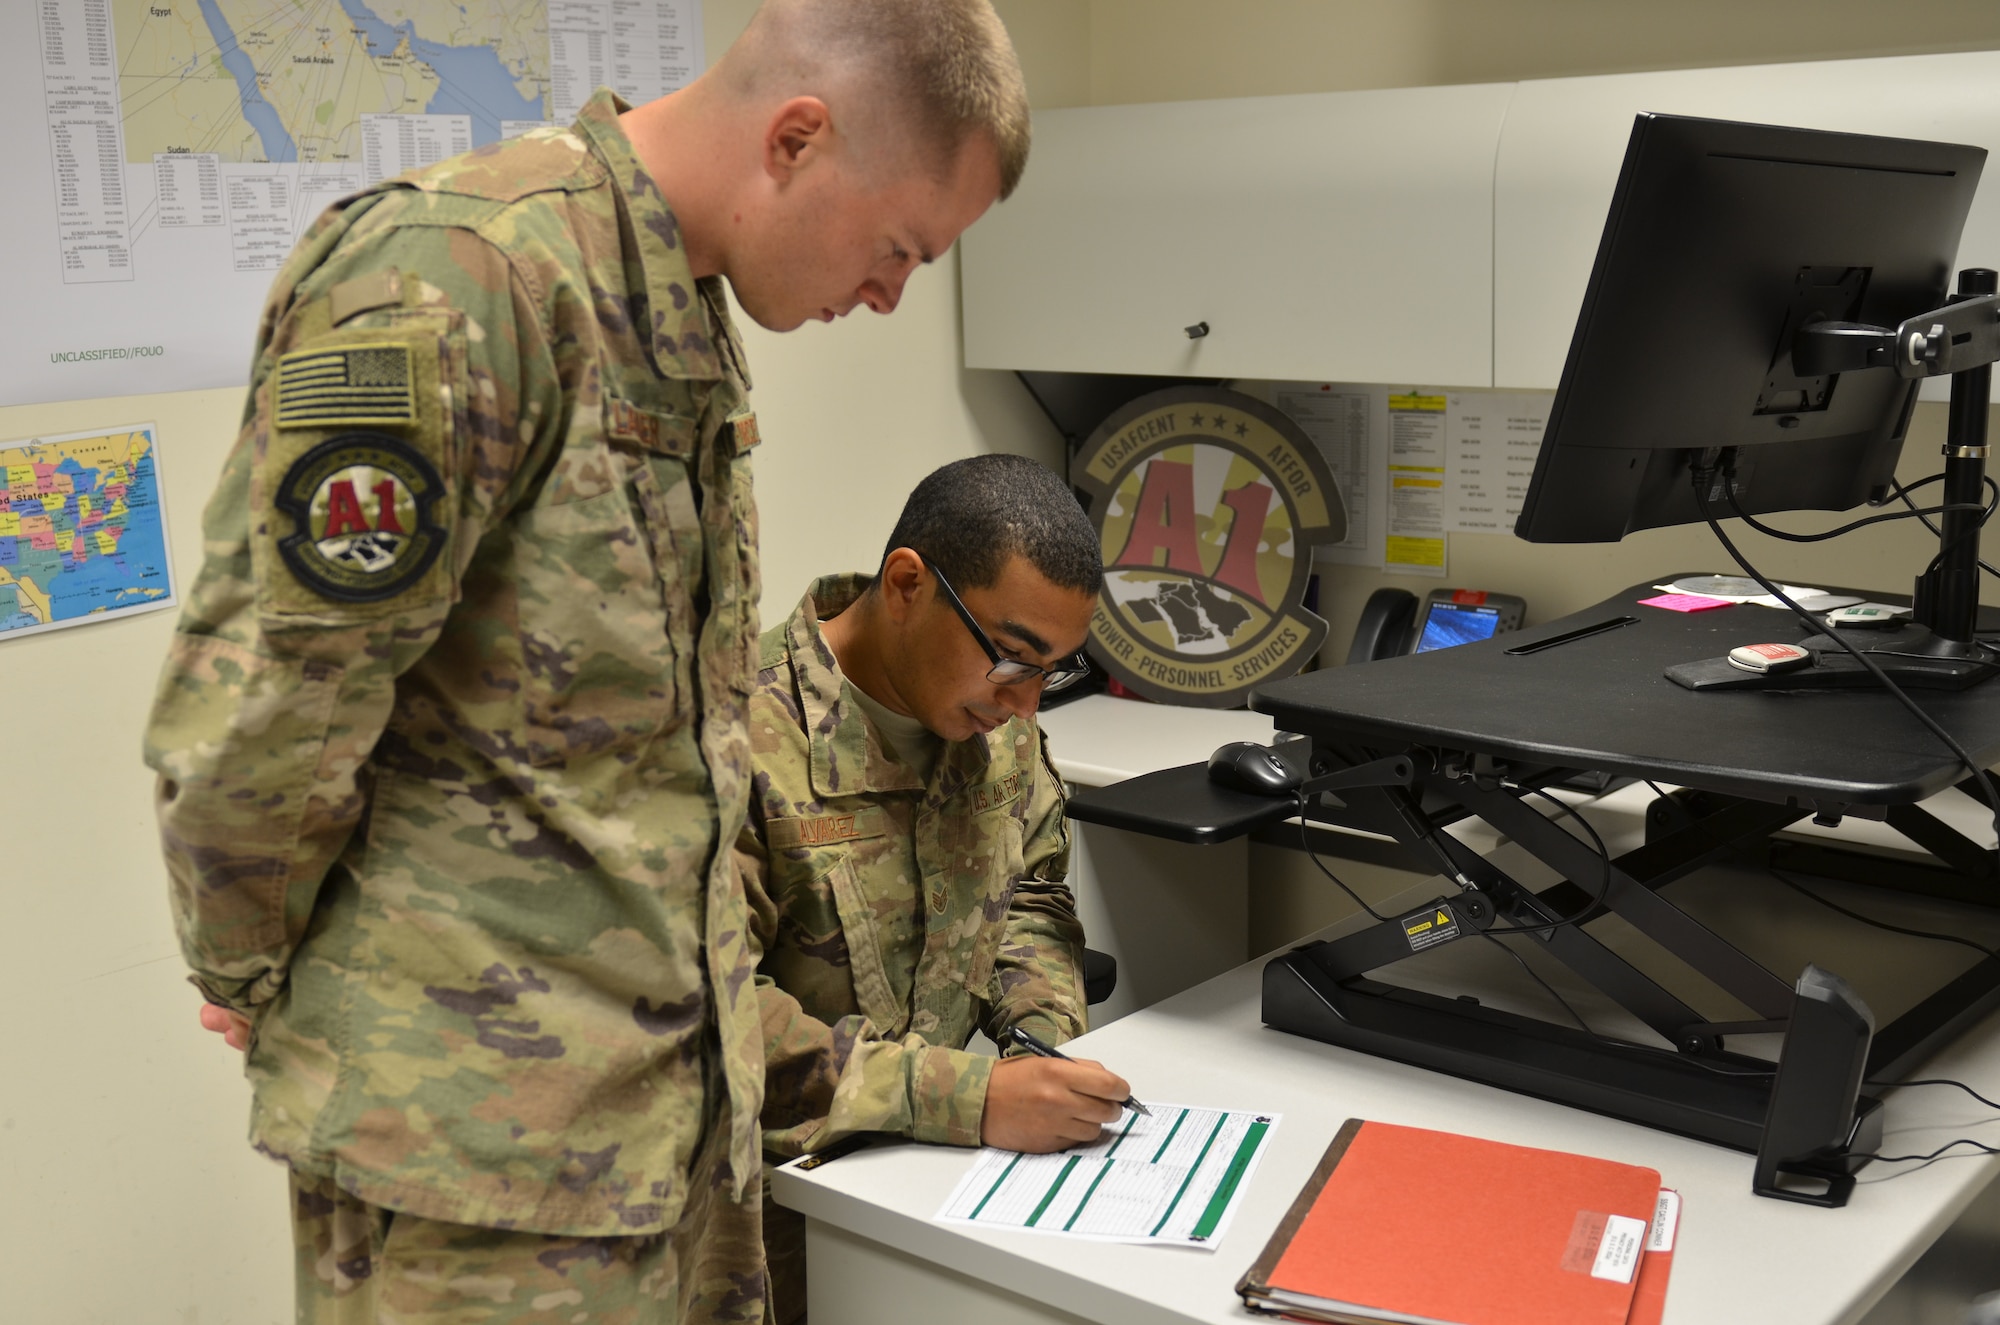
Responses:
[1173,1179]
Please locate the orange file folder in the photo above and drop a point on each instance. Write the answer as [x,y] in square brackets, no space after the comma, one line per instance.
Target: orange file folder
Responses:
[1430,1228]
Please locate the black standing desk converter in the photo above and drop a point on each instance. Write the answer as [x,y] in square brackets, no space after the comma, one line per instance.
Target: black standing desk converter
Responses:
[1467,730]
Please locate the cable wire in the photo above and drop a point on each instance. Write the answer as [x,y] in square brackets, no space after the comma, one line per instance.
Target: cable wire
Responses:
[1804,891]
[1980,1146]
[1903,494]
[1574,1015]
[1452,872]
[1935,1081]
[1613,1041]
[1305,844]
[1913,513]
[1603,889]
[1813,623]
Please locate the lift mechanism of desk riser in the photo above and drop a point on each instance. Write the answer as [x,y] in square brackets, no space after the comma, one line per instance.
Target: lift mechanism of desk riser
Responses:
[1698,1089]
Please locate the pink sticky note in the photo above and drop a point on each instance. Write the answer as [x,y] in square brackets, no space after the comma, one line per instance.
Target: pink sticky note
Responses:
[1685,602]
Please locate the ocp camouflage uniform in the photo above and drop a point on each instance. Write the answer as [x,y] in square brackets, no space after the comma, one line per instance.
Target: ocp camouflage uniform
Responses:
[454,722]
[894,918]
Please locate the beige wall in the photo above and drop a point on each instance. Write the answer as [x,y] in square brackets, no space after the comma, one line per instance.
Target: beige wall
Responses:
[1182,50]
[129,1195]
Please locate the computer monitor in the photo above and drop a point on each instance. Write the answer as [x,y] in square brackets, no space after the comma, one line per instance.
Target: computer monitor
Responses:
[1723,240]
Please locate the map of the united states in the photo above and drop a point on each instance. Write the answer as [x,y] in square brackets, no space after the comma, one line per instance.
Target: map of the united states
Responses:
[80,530]
[288,80]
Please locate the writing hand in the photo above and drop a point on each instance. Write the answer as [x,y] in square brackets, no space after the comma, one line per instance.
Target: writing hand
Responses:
[1037,1105]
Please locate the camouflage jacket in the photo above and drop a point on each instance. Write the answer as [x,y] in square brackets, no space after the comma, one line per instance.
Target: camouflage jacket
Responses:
[894,918]
[453,722]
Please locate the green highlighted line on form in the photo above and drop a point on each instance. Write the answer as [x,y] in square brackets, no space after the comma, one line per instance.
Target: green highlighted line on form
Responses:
[1192,1170]
[1246,1150]
[1054,1187]
[998,1183]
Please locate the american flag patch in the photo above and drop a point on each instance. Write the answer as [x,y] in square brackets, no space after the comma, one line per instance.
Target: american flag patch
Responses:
[352,384]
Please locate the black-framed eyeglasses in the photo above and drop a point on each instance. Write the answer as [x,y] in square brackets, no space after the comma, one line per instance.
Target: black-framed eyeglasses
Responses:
[1012,671]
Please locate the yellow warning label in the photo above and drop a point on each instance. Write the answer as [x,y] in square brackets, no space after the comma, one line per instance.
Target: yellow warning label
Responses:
[1430,926]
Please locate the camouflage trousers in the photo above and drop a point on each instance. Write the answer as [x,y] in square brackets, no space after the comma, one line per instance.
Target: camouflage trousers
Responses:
[784,1258]
[359,1264]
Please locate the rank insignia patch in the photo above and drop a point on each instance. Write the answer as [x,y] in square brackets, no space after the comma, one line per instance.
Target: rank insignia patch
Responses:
[349,384]
[364,526]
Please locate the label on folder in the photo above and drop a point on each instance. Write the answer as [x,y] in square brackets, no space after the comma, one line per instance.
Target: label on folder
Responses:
[1607,1246]
[1666,1218]
[1618,1253]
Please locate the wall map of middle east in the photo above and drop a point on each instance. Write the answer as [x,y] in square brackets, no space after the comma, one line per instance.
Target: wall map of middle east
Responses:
[250,81]
[172,151]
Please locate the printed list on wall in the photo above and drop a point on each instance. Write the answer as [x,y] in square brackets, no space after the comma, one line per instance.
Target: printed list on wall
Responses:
[1415,464]
[176,150]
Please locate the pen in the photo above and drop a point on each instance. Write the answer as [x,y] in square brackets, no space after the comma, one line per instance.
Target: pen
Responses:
[1570,636]
[1036,1047]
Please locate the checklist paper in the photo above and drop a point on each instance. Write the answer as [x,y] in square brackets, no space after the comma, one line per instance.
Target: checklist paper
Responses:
[1172,1179]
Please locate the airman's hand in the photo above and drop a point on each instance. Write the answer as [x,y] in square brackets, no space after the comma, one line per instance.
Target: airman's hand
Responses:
[1041,1104]
[233,1027]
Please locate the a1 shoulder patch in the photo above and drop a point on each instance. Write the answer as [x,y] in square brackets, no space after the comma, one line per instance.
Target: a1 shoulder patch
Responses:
[357,468]
[364,514]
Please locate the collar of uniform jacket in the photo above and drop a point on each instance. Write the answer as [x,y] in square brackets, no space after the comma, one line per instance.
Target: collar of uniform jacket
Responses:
[839,730]
[692,331]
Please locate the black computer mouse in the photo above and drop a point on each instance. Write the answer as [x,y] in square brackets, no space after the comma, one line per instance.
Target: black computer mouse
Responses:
[1257,769]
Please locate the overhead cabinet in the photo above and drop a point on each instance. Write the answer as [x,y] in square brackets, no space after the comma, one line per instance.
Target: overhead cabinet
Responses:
[1341,234]
[1439,236]
[1565,138]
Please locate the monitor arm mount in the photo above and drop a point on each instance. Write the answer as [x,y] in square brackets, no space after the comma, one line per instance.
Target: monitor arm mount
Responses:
[1940,650]
[1962,339]
[1961,335]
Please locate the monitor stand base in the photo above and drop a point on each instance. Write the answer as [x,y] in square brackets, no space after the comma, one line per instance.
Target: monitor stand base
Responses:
[1913,657]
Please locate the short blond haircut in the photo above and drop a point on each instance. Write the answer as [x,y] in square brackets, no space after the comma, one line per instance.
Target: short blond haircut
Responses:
[947,68]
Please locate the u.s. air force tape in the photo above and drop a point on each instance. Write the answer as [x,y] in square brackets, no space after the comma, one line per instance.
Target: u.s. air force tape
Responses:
[364,526]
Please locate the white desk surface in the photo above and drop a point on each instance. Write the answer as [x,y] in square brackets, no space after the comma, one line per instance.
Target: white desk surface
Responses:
[1098,740]
[1739,1257]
